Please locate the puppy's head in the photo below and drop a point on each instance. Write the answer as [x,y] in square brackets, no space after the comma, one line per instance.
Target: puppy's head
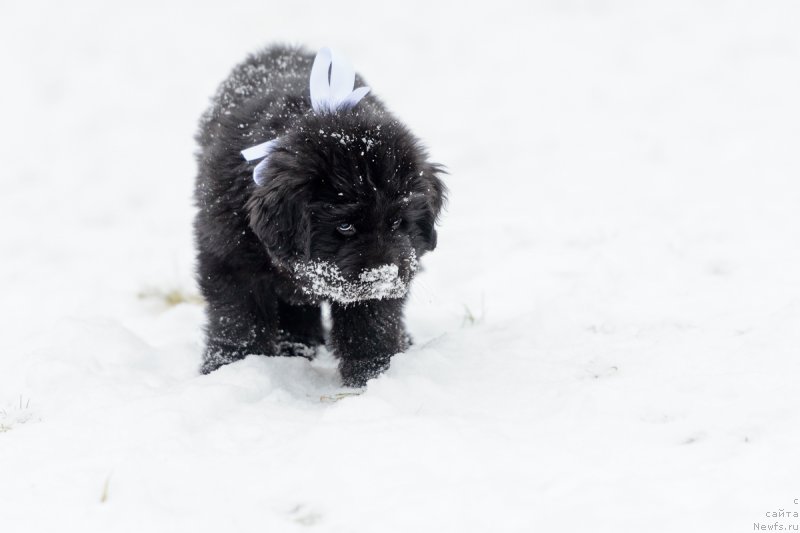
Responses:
[349,204]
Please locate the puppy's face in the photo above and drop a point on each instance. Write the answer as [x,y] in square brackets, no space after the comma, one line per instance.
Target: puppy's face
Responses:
[349,206]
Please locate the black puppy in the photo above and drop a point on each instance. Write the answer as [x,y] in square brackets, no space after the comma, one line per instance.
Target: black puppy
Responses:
[342,207]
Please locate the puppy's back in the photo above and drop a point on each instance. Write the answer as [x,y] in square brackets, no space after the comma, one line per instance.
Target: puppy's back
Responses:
[256,85]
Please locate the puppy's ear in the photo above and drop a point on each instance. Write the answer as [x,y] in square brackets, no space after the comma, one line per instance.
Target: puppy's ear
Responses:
[436,196]
[278,213]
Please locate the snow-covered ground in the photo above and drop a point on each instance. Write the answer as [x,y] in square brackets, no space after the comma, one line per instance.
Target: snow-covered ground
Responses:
[608,336]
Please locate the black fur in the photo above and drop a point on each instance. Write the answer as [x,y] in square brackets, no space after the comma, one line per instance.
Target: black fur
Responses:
[360,166]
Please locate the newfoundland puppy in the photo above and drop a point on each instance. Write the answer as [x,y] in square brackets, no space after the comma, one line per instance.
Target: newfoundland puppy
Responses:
[339,208]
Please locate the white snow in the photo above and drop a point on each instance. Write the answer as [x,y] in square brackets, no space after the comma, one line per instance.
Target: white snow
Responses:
[606,338]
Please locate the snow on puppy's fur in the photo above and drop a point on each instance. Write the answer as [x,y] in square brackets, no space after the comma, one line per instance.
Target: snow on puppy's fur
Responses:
[324,279]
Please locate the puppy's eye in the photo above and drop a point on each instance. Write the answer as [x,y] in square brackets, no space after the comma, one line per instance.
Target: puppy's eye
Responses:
[346,228]
[396,223]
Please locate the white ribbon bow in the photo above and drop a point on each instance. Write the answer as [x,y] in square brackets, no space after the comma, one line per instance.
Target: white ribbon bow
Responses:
[335,93]
[331,88]
[259,151]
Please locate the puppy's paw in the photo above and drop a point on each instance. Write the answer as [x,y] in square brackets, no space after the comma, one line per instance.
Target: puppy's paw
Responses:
[212,360]
[218,354]
[356,372]
[296,349]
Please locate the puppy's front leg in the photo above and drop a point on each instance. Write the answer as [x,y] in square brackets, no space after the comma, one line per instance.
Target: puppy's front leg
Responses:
[365,335]
[242,315]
